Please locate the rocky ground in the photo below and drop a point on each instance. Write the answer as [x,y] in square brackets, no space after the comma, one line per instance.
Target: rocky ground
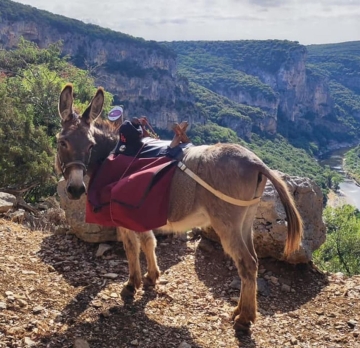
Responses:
[56,292]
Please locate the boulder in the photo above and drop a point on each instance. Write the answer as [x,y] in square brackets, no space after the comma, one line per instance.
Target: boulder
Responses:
[270,228]
[75,216]
[7,201]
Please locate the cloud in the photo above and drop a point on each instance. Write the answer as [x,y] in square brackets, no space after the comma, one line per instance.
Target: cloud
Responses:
[268,3]
[306,21]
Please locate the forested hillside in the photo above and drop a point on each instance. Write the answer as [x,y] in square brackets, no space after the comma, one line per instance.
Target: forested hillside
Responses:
[306,97]
[340,65]
[263,94]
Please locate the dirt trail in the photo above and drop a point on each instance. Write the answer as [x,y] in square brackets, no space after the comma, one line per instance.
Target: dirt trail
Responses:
[54,289]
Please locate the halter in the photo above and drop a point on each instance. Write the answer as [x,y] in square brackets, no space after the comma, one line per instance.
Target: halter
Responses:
[64,166]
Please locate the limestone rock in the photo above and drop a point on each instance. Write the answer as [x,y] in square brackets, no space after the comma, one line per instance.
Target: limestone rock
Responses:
[7,201]
[75,215]
[270,227]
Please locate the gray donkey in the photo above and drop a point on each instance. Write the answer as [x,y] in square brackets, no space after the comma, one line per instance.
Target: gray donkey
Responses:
[229,168]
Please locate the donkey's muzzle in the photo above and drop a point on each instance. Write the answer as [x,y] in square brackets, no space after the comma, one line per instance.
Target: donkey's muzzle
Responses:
[75,191]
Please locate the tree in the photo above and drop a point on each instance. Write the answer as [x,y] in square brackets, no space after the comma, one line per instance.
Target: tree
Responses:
[31,80]
[341,251]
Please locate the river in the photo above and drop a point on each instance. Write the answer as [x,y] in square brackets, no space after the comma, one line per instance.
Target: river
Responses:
[348,188]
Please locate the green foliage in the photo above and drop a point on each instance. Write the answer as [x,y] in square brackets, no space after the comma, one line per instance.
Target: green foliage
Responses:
[222,66]
[352,163]
[211,134]
[32,79]
[278,154]
[268,55]
[27,156]
[216,106]
[339,64]
[341,251]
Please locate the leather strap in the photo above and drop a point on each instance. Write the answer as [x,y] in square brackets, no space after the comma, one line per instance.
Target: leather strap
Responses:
[217,193]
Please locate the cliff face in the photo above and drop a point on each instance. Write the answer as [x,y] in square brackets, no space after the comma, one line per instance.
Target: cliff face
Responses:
[265,79]
[140,75]
[299,92]
[270,75]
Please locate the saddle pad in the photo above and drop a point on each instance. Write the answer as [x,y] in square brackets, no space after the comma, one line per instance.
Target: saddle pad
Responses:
[132,194]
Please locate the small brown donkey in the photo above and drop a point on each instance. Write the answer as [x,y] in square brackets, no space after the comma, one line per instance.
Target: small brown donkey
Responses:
[229,168]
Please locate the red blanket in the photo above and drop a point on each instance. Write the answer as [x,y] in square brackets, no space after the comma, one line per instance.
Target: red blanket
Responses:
[130,192]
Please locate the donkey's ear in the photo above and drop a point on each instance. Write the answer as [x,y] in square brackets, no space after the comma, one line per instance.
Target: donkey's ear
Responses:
[65,106]
[95,107]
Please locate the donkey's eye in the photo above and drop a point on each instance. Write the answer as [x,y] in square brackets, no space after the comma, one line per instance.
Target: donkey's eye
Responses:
[63,144]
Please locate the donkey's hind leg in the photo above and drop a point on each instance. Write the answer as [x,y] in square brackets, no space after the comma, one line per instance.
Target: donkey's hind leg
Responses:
[235,244]
[132,249]
[251,263]
[148,245]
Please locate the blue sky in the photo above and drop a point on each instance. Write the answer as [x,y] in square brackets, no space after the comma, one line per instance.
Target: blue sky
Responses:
[306,21]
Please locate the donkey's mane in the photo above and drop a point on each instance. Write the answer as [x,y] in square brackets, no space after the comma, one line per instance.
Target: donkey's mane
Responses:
[105,126]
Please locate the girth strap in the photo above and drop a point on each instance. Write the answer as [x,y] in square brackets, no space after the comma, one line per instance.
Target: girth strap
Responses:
[217,193]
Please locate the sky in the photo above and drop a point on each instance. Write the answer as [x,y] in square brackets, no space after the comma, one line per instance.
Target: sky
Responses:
[306,21]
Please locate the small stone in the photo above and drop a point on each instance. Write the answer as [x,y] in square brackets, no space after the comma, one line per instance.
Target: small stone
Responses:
[28,272]
[96,304]
[293,341]
[285,287]
[234,299]
[163,281]
[38,309]
[114,295]
[102,249]
[9,293]
[110,275]
[263,287]
[22,302]
[3,305]
[134,343]
[206,245]
[236,283]
[80,343]
[352,323]
[6,201]
[105,313]
[29,342]
[190,234]
[184,344]
[274,280]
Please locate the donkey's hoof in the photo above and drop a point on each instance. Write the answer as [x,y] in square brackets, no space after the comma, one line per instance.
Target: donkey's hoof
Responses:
[128,291]
[151,278]
[242,327]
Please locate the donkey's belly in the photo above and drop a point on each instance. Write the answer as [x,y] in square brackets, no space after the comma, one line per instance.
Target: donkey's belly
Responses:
[198,219]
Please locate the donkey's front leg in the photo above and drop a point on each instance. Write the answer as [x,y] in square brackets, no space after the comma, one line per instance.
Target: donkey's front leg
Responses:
[132,249]
[148,245]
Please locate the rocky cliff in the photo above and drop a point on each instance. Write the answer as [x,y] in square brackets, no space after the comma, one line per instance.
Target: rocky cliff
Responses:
[272,81]
[141,74]
[270,75]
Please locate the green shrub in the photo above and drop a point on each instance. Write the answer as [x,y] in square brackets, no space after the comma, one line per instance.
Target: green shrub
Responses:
[341,251]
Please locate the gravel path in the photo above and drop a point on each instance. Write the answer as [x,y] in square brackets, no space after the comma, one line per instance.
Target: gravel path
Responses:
[55,292]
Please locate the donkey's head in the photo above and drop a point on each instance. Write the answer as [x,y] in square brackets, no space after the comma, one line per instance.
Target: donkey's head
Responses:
[76,139]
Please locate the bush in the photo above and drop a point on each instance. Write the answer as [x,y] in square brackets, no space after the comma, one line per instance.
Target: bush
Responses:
[341,251]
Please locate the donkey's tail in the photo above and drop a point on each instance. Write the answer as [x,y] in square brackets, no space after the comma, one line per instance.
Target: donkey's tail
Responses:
[295,224]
